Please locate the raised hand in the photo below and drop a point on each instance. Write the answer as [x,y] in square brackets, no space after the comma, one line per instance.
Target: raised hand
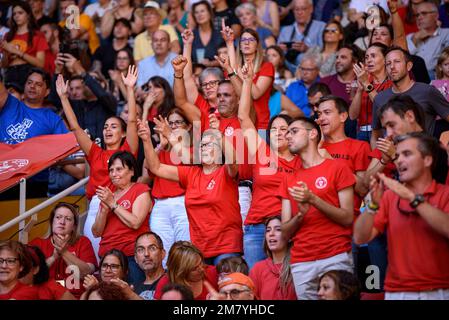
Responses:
[89,281]
[376,188]
[105,195]
[162,126]
[143,130]
[149,100]
[386,146]
[360,72]
[224,62]
[179,63]
[247,71]
[226,32]
[187,36]
[301,193]
[62,86]
[131,77]
[401,190]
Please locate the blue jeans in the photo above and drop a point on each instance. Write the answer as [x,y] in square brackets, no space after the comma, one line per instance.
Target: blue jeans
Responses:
[253,239]
[213,261]
[364,135]
[378,255]
[135,274]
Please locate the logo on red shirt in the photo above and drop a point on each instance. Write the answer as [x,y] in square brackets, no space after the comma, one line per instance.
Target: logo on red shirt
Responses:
[229,131]
[321,183]
[211,185]
[126,204]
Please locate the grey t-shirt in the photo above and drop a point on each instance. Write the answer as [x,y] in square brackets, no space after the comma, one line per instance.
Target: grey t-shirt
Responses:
[427,96]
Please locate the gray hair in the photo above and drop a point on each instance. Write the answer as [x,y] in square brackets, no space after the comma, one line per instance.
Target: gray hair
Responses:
[309,1]
[246,6]
[217,72]
[315,58]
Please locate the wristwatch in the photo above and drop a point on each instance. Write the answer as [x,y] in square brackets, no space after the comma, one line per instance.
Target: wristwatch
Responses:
[233,73]
[369,88]
[419,198]
[114,206]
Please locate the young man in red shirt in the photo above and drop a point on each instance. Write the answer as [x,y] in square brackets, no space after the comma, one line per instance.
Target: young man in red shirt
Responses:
[317,210]
[415,216]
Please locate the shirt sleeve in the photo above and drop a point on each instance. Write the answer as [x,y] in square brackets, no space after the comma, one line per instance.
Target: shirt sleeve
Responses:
[282,192]
[183,174]
[411,46]
[439,102]
[344,177]
[381,217]
[41,43]
[86,251]
[267,70]
[59,125]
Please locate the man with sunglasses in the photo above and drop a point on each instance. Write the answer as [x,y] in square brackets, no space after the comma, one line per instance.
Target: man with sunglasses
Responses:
[430,39]
[414,213]
[317,210]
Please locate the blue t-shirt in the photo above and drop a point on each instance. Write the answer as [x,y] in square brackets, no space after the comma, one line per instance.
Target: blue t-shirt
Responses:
[18,122]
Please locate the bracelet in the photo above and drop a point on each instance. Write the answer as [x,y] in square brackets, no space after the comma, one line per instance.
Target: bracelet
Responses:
[174,75]
[382,162]
[373,206]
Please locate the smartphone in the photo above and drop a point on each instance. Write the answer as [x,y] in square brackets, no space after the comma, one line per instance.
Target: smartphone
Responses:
[288,44]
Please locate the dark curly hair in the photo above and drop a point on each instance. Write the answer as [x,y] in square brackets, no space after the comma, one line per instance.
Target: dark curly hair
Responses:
[346,284]
[107,291]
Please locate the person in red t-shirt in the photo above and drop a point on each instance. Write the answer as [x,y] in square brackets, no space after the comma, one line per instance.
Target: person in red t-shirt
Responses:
[185,266]
[273,161]
[169,216]
[414,213]
[317,210]
[114,134]
[332,114]
[15,262]
[24,46]
[272,276]
[64,249]
[124,214]
[39,276]
[372,79]
[211,196]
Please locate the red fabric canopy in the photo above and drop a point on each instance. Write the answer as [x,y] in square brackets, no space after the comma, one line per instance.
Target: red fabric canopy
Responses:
[25,159]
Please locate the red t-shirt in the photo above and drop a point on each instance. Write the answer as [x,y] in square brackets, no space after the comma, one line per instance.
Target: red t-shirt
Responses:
[99,174]
[118,235]
[38,44]
[319,237]
[366,107]
[51,290]
[261,104]
[21,292]
[265,275]
[408,27]
[82,249]
[164,188]
[268,173]
[418,256]
[389,169]
[355,155]
[213,210]
[211,276]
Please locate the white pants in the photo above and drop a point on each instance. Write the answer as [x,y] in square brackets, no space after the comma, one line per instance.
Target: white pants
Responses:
[245,197]
[169,220]
[440,294]
[306,274]
[94,205]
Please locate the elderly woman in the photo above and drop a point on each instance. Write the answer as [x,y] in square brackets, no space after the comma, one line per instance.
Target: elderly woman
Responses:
[15,262]
[247,14]
[124,213]
[211,190]
[64,247]
[186,267]
[272,276]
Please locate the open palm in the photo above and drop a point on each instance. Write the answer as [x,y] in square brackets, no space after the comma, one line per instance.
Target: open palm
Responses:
[131,77]
[61,86]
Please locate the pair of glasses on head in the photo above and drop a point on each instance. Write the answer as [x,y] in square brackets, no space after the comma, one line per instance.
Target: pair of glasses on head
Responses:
[210,84]
[112,266]
[176,123]
[331,30]
[142,250]
[10,262]
[248,40]
[234,293]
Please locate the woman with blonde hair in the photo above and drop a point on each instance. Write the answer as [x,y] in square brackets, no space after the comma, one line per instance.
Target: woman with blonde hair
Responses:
[186,266]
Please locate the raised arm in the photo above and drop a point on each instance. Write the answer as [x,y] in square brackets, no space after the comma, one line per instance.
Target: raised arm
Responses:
[156,167]
[189,83]
[107,23]
[249,130]
[179,89]
[81,136]
[131,129]
[398,26]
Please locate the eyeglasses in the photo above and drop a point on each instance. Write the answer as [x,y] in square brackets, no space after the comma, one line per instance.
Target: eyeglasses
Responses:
[176,123]
[10,262]
[209,84]
[112,266]
[234,293]
[423,13]
[208,145]
[248,40]
[332,30]
[142,250]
